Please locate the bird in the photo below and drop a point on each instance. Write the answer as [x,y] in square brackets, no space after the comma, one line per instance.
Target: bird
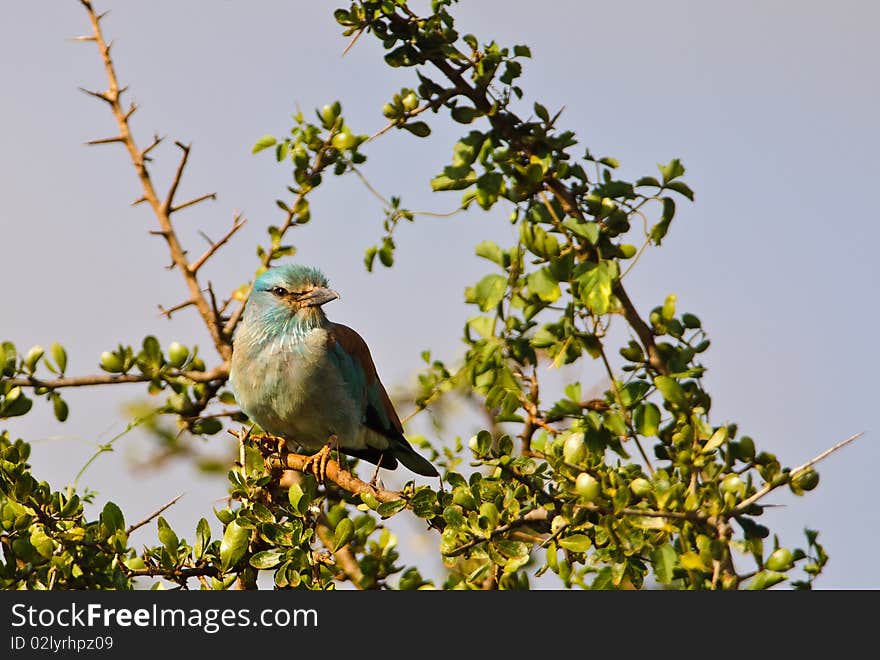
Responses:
[310,381]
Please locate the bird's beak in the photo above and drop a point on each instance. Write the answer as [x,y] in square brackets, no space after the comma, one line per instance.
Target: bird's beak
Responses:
[318,296]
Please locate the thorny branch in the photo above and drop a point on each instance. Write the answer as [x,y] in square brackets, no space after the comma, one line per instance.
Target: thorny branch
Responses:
[162,208]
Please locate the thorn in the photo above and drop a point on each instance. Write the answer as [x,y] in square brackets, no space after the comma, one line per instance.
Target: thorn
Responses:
[352,42]
[158,232]
[131,110]
[109,140]
[168,312]
[139,200]
[104,96]
[192,202]
[86,37]
[101,15]
[156,141]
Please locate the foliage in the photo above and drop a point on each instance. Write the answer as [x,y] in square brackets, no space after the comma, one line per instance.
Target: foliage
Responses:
[563,487]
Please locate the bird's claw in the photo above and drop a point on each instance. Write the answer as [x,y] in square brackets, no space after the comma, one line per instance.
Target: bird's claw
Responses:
[317,463]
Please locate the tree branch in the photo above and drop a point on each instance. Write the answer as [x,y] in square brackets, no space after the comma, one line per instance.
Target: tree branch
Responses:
[237,223]
[152,515]
[342,478]
[160,209]
[219,373]
[793,474]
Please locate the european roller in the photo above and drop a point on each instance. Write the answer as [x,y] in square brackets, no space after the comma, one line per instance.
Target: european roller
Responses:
[311,381]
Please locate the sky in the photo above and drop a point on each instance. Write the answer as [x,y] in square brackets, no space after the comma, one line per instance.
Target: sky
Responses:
[771,106]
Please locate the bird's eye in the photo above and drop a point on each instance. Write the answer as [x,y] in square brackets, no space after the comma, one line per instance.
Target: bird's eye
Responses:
[279,291]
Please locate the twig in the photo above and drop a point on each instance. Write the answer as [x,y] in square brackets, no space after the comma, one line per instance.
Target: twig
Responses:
[192,202]
[357,35]
[176,308]
[152,515]
[536,515]
[218,373]
[237,224]
[433,103]
[796,472]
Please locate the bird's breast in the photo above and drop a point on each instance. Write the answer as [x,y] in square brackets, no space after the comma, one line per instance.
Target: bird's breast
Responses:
[291,388]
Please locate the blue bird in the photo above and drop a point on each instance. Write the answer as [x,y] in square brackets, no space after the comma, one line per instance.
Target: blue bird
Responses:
[311,381]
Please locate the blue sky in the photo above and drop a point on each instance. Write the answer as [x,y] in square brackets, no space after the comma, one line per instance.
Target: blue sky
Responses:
[771,106]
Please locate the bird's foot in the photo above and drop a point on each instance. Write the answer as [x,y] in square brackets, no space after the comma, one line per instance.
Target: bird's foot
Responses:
[374,480]
[317,463]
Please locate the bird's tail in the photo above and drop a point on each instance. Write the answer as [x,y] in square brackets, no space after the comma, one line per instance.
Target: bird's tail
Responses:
[413,460]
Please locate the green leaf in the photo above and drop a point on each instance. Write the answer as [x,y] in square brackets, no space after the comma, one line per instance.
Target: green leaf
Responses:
[234,545]
[682,188]
[659,230]
[444,182]
[388,509]
[203,538]
[263,143]
[135,563]
[167,537]
[60,356]
[664,560]
[671,170]
[647,419]
[691,561]
[587,230]
[295,494]
[632,393]
[342,535]
[765,580]
[541,111]
[489,291]
[718,438]
[490,250]
[418,128]
[544,285]
[615,423]
[253,461]
[42,543]
[112,518]
[576,542]
[59,407]
[595,286]
[463,114]
[266,559]
[670,389]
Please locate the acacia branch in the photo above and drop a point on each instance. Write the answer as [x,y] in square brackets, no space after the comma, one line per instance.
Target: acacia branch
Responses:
[152,515]
[343,478]
[174,574]
[237,223]
[219,373]
[161,210]
[793,474]
[536,515]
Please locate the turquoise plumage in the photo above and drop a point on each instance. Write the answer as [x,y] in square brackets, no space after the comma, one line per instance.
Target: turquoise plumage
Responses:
[307,379]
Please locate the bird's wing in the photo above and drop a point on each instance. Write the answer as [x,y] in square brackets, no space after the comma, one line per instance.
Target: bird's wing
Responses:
[353,358]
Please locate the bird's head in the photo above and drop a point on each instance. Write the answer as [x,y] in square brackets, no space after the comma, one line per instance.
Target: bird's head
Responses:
[292,289]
